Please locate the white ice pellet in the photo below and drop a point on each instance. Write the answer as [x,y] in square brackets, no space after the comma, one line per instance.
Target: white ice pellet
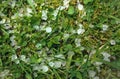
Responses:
[48,29]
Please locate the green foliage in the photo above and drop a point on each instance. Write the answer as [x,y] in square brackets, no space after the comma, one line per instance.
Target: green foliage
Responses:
[87,1]
[71,10]
[76,42]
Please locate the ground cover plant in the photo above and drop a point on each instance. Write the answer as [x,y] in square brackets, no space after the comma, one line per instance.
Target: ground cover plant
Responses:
[59,39]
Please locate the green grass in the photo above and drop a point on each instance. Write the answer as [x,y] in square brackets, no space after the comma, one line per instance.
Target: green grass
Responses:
[64,45]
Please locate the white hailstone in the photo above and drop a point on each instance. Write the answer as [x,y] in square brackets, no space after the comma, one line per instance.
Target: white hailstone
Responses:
[84,60]
[35,74]
[48,29]
[44,15]
[11,31]
[23,57]
[12,38]
[2,21]
[20,14]
[63,63]
[13,4]
[17,61]
[29,11]
[80,25]
[14,57]
[2,14]
[38,45]
[27,60]
[44,68]
[61,7]
[7,26]
[36,67]
[96,77]
[36,27]
[49,58]
[42,4]
[77,42]
[80,31]
[66,3]
[104,27]
[112,42]
[98,63]
[4,74]
[106,56]
[17,47]
[66,35]
[80,6]
[57,64]
[55,13]
[98,68]
[13,43]
[60,56]
[51,64]
[91,73]
[106,59]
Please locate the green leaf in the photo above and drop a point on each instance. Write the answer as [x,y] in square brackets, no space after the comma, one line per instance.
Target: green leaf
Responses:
[68,47]
[0,62]
[28,76]
[114,64]
[87,1]
[56,40]
[78,75]
[71,10]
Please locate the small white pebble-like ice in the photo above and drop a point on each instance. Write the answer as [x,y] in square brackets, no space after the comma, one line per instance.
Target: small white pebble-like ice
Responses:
[29,11]
[80,31]
[104,27]
[51,64]
[66,35]
[91,73]
[23,57]
[112,42]
[4,73]
[44,68]
[36,27]
[61,56]
[48,29]
[35,74]
[98,63]
[66,3]
[17,61]
[96,77]
[44,14]
[58,64]
[106,56]
[80,6]
[77,42]
[14,57]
